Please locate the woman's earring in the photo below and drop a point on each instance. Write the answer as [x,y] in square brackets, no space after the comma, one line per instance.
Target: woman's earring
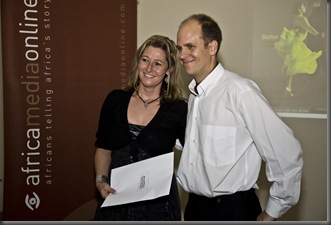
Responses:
[166,79]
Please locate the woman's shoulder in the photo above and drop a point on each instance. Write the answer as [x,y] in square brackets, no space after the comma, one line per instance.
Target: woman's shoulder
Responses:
[181,101]
[117,93]
[116,96]
[178,105]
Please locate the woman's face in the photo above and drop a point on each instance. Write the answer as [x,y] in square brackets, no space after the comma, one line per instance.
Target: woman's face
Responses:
[152,67]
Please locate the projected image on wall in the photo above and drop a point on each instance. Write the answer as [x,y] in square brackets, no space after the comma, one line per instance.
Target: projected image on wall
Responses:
[289,56]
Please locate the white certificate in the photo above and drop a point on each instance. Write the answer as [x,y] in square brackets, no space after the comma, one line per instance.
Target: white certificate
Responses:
[147,179]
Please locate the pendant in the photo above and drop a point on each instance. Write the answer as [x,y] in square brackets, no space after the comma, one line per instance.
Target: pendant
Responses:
[146,104]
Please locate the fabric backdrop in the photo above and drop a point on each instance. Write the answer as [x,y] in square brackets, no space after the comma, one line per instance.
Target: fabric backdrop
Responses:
[60,59]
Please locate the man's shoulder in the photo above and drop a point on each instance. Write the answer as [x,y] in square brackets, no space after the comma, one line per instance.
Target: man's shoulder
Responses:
[238,81]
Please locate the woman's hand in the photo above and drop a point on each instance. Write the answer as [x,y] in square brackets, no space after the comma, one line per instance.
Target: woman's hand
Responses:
[105,189]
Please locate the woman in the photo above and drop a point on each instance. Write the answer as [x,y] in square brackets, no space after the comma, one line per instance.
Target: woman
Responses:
[140,122]
[297,57]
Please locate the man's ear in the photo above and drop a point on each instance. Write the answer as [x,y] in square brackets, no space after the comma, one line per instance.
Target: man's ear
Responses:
[213,47]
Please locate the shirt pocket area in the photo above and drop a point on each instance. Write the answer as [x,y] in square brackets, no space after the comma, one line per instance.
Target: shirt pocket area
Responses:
[218,143]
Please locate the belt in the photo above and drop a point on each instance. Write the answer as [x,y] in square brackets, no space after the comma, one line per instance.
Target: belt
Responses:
[222,198]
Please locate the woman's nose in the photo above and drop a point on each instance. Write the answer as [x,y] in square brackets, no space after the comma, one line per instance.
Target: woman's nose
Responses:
[149,67]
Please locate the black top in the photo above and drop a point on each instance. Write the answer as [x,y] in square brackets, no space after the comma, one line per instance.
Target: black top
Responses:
[157,137]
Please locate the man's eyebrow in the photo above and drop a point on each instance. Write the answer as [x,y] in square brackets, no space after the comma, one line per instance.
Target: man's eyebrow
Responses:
[185,45]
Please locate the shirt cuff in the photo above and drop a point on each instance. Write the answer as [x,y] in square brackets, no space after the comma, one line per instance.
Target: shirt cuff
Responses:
[275,210]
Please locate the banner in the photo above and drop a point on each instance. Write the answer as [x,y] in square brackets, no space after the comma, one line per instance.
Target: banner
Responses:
[60,60]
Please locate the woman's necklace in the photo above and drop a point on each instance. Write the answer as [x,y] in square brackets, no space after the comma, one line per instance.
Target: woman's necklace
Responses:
[147,103]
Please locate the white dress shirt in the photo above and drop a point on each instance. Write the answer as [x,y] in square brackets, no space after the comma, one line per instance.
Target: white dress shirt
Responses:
[230,129]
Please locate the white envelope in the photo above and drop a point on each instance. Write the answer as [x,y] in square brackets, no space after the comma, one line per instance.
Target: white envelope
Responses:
[143,180]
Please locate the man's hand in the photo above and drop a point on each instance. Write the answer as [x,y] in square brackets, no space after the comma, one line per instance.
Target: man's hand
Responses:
[265,217]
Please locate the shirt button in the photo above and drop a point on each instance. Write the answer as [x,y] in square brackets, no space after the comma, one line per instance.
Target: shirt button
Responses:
[218,200]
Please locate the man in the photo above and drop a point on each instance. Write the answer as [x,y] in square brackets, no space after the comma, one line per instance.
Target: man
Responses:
[230,129]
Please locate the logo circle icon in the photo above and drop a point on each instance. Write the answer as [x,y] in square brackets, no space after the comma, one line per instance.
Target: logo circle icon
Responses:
[32,202]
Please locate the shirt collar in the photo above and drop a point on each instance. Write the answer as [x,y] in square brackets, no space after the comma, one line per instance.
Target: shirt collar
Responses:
[209,81]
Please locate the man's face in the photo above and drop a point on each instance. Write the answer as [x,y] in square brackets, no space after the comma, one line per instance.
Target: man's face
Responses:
[193,52]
